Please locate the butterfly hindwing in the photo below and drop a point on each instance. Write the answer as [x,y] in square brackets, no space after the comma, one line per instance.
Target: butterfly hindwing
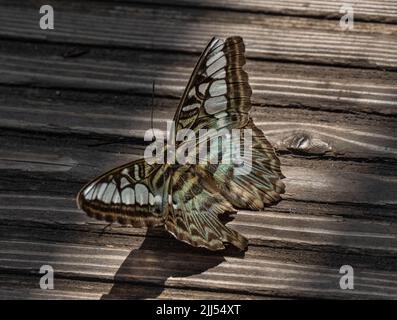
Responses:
[261,185]
[131,194]
[194,214]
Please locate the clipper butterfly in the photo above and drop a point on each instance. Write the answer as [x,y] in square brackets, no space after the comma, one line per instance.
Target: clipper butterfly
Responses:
[189,199]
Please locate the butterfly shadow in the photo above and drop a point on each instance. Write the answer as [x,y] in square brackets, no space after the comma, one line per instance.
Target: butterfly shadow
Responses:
[145,271]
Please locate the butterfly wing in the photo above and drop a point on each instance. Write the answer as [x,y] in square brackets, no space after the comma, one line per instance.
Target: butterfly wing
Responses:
[218,93]
[218,97]
[196,205]
[133,194]
[261,185]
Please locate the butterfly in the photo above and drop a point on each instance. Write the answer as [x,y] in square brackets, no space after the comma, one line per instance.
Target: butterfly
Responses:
[190,200]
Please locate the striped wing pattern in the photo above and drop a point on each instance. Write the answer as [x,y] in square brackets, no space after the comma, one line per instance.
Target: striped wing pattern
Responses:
[218,94]
[189,200]
[196,205]
[217,97]
[131,194]
[262,186]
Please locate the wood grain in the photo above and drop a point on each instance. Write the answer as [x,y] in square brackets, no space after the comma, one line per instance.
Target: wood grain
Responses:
[369,10]
[271,228]
[273,38]
[352,137]
[335,89]
[261,276]
[21,287]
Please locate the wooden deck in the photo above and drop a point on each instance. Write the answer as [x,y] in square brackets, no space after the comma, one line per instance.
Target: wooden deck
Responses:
[75,102]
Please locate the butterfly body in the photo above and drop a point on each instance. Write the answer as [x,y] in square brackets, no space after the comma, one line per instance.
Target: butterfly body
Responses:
[189,198]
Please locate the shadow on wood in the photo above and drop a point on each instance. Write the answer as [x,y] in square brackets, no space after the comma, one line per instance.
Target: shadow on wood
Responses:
[154,263]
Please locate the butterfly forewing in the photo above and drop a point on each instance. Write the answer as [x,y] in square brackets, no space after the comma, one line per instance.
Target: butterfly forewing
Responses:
[131,194]
[218,93]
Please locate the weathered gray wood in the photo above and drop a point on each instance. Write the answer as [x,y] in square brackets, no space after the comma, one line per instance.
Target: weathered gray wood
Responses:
[280,38]
[342,135]
[294,230]
[261,275]
[369,10]
[317,181]
[338,89]
[15,286]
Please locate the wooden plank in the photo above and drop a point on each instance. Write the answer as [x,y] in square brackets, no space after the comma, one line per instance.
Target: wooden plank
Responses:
[274,38]
[368,10]
[100,234]
[314,181]
[251,275]
[21,287]
[270,228]
[286,85]
[159,244]
[347,136]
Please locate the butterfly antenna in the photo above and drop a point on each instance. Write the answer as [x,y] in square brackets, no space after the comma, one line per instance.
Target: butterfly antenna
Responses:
[104,229]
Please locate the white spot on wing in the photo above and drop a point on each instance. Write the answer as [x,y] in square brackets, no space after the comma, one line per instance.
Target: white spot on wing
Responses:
[218,88]
[88,195]
[192,93]
[221,115]
[142,194]
[88,189]
[216,104]
[116,197]
[151,199]
[108,195]
[126,172]
[202,88]
[128,196]
[101,190]
[221,74]
[96,189]
[191,107]
[123,182]
[213,57]
[218,64]
[158,200]
[136,173]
